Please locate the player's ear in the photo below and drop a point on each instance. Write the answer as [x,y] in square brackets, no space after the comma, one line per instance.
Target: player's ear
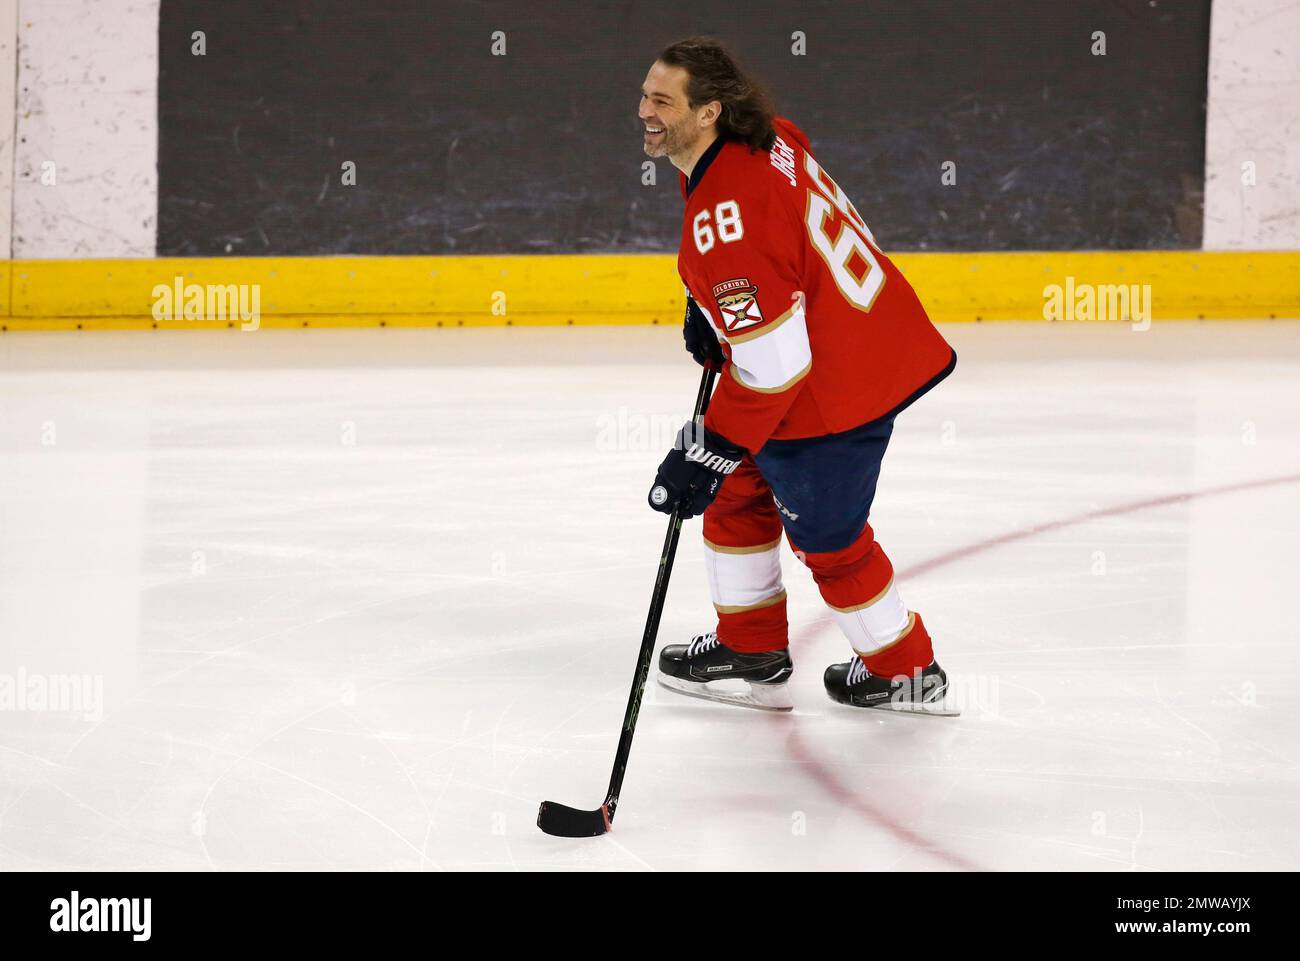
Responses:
[710,113]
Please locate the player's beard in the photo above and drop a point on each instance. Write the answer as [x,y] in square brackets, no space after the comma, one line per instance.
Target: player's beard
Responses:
[677,139]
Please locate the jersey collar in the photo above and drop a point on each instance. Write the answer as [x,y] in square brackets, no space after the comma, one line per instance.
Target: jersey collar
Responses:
[702,164]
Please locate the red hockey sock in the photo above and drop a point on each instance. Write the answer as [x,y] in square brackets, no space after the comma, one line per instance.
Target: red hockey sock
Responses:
[757,630]
[911,652]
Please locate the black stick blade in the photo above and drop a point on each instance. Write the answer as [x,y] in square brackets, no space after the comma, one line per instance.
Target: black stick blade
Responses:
[563,821]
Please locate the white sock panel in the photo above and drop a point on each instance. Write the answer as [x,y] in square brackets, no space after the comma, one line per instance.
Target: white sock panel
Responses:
[741,578]
[875,625]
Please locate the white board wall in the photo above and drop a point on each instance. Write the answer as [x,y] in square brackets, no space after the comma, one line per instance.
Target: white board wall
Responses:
[1253,127]
[8,53]
[85,166]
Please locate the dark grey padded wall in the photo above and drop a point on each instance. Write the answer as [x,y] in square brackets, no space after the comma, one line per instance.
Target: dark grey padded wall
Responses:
[459,151]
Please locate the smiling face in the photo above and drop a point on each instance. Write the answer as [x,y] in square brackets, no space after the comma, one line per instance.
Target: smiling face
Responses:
[673,128]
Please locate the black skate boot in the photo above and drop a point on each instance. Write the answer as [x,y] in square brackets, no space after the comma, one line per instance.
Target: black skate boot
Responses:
[709,669]
[920,693]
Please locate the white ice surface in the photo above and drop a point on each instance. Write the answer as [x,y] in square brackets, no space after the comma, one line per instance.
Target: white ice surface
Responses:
[361,599]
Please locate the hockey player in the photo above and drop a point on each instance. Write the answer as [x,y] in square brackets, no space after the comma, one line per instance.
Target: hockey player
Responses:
[820,343]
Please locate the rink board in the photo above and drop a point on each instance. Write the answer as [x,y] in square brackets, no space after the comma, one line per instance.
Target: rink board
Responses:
[609,289]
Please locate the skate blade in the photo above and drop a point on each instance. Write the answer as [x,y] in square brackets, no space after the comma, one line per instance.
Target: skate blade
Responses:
[761,697]
[940,708]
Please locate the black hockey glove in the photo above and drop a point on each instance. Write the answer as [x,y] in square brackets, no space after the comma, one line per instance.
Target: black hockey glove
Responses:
[693,471]
[701,341]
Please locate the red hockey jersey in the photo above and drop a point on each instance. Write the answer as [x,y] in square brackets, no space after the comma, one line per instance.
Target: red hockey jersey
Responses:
[821,331]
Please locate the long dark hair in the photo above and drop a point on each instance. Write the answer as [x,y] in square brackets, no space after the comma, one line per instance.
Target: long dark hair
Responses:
[714,75]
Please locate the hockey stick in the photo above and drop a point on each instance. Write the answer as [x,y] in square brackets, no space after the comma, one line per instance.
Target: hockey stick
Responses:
[560,819]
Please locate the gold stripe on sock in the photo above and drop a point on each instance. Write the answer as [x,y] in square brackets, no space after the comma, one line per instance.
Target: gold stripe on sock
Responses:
[911,623]
[741,550]
[859,607]
[742,608]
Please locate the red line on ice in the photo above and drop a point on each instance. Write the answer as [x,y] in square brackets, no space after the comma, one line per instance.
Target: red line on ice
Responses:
[828,779]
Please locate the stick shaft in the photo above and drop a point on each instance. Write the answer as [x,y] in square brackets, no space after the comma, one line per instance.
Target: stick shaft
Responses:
[657,599]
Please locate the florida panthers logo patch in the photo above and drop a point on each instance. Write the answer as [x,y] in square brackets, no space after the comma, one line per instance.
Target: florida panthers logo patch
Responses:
[738,301]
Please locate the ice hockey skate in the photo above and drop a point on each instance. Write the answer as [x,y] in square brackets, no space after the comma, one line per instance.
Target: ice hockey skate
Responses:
[924,692]
[708,669]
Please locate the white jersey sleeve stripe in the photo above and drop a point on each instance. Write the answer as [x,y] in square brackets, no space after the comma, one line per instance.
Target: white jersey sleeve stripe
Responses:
[775,358]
